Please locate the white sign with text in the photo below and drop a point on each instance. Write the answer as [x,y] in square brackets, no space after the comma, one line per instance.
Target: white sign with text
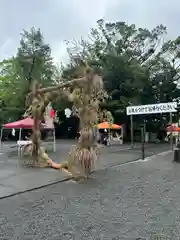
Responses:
[67,112]
[152,108]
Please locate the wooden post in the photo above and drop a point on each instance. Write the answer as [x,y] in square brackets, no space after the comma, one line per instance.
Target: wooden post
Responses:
[171,138]
[132,132]
[142,142]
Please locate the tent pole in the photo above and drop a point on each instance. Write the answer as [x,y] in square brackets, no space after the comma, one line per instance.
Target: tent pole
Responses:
[20,134]
[122,134]
[54,136]
[19,147]
[1,136]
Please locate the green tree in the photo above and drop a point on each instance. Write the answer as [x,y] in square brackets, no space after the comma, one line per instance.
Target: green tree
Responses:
[124,54]
[11,97]
[34,58]
[137,66]
[33,61]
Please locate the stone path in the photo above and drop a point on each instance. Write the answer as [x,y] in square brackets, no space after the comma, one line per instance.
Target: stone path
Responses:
[134,201]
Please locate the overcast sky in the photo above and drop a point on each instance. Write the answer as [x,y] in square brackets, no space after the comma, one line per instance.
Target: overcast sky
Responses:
[61,20]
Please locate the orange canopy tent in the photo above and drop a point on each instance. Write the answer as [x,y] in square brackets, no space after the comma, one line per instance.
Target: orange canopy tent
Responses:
[107,125]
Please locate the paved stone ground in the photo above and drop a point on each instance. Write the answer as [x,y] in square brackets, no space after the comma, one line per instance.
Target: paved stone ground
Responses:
[139,200]
[14,179]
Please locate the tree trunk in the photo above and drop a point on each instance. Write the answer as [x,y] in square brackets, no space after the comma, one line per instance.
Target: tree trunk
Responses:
[36,114]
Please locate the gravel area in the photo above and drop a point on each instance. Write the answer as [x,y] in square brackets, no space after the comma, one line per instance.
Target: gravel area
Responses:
[16,179]
[134,201]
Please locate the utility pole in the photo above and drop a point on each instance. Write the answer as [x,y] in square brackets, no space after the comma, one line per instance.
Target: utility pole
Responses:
[178,120]
[142,141]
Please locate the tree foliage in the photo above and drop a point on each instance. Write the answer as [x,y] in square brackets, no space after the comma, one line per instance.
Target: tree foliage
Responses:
[34,58]
[33,61]
[11,97]
[137,65]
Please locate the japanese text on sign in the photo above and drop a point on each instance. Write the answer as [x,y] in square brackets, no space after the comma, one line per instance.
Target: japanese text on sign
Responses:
[152,108]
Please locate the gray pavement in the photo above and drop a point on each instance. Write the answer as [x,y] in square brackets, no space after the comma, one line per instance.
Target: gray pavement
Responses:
[138,200]
[14,178]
